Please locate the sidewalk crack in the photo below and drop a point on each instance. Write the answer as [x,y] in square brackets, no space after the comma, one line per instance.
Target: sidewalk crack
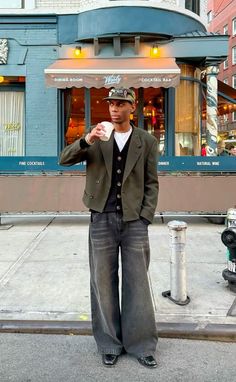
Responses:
[26,253]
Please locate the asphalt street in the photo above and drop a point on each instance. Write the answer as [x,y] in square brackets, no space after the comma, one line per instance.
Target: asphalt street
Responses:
[59,358]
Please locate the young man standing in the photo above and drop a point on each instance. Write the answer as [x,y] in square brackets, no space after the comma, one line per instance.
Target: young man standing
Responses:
[121,192]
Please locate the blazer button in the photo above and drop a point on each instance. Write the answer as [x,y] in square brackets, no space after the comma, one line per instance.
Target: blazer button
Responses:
[97,181]
[91,197]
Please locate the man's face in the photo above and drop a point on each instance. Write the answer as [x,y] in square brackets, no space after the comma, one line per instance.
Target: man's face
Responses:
[120,111]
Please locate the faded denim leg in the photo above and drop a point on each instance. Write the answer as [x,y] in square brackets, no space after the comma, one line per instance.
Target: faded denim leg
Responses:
[134,327]
[138,321]
[103,256]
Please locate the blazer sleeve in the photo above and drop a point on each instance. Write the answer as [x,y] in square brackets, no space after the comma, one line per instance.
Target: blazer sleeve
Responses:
[74,153]
[151,185]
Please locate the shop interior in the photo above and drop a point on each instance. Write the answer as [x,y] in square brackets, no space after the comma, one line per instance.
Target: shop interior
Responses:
[150,116]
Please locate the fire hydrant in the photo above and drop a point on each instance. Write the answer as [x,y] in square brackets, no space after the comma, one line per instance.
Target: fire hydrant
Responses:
[228,237]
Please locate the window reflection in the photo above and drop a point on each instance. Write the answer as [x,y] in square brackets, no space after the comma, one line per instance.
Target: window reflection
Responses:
[187,114]
[154,115]
[226,125]
[150,116]
[99,106]
[74,117]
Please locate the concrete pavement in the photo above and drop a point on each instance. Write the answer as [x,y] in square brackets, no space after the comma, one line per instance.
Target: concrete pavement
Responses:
[44,278]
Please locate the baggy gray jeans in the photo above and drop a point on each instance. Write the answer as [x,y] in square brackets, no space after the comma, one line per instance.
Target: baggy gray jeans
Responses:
[132,326]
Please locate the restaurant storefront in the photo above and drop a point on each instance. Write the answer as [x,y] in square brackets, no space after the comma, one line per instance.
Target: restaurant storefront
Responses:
[153,112]
[172,64]
[84,90]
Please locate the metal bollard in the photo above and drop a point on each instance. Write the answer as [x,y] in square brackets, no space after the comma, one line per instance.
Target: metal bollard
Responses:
[178,291]
[231,217]
[228,237]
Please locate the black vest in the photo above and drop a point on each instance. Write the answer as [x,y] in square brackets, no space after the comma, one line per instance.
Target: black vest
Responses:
[114,201]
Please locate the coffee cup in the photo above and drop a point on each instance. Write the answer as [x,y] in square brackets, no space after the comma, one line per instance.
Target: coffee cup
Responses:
[108,127]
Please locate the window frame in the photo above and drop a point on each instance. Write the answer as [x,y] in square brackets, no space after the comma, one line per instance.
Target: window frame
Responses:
[193,5]
[234,26]
[17,88]
[233,55]
[226,63]
[209,17]
[225,29]
[234,81]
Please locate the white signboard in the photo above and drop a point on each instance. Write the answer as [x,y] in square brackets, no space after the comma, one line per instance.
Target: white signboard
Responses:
[10,3]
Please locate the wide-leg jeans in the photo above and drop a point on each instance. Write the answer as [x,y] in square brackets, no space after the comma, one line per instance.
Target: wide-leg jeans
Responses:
[131,326]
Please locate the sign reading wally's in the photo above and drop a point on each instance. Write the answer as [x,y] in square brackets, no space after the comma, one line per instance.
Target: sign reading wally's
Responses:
[112,79]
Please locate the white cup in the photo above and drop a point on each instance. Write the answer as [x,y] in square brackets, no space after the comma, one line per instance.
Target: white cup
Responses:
[108,130]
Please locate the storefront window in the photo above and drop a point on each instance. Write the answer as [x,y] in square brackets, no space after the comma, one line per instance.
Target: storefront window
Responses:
[74,116]
[99,107]
[12,117]
[226,125]
[187,114]
[150,116]
[154,115]
[149,113]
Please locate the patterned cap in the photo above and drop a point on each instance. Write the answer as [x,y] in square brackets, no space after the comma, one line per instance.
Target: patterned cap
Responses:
[121,94]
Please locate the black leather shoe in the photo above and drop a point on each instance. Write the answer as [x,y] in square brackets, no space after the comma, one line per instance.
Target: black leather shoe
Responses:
[148,361]
[109,359]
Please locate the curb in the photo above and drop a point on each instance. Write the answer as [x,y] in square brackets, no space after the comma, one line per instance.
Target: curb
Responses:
[201,331]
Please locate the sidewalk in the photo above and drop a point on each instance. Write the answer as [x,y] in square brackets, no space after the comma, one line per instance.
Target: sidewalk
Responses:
[44,278]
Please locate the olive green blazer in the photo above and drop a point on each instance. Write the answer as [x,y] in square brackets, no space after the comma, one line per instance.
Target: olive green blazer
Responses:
[139,189]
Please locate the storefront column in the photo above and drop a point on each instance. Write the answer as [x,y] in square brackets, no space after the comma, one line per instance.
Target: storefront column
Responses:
[211,110]
[170,131]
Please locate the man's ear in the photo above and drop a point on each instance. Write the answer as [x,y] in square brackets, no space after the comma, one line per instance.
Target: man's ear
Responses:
[133,107]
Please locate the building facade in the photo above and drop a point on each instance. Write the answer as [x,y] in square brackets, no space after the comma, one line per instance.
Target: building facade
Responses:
[59,58]
[222,19]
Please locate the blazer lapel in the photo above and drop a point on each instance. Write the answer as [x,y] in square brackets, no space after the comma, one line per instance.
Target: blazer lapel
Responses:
[134,152]
[107,152]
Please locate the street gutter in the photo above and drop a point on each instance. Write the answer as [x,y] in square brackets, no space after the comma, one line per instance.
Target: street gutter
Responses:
[209,332]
